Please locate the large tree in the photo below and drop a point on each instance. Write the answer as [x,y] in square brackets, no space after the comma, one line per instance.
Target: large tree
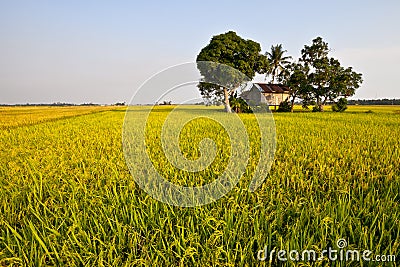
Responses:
[295,76]
[326,78]
[237,53]
[277,60]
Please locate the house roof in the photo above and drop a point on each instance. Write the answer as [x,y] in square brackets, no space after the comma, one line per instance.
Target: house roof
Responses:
[273,88]
[254,96]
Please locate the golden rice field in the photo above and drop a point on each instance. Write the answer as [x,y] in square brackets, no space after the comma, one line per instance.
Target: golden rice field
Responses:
[22,116]
[68,199]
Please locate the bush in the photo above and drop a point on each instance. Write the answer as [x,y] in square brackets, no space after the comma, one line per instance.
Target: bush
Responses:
[239,105]
[284,106]
[340,106]
[316,109]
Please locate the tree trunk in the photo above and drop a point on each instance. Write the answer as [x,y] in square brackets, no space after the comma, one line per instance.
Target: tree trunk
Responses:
[273,75]
[226,101]
[323,103]
[292,104]
[320,104]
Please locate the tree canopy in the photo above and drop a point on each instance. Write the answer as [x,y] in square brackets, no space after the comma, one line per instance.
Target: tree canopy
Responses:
[295,77]
[328,80]
[277,61]
[237,54]
[317,78]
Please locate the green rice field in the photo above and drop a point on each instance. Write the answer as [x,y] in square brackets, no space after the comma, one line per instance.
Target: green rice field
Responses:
[68,199]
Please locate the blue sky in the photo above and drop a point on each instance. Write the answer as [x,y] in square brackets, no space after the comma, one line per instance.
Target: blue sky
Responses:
[102,51]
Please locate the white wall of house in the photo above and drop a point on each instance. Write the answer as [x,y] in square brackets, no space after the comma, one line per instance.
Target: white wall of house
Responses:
[274,99]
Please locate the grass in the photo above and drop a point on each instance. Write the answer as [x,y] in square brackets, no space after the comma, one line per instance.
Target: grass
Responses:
[20,116]
[67,198]
[358,109]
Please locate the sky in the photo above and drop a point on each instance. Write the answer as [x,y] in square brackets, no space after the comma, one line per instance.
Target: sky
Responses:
[103,51]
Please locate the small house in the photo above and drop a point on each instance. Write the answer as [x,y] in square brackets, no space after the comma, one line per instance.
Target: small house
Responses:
[274,94]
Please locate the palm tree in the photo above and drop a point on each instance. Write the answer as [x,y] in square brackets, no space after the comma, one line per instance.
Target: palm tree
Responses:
[277,60]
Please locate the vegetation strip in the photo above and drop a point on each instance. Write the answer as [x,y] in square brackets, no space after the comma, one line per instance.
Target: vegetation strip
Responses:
[12,117]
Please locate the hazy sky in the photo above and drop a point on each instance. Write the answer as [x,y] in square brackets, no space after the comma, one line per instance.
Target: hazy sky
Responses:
[102,51]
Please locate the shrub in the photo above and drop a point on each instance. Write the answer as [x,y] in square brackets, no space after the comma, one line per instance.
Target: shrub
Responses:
[340,106]
[284,107]
[316,109]
[239,105]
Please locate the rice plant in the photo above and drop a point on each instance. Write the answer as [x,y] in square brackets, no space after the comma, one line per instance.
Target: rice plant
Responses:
[68,199]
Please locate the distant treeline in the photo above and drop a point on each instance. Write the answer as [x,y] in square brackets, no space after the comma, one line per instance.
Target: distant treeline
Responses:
[384,101]
[365,102]
[58,104]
